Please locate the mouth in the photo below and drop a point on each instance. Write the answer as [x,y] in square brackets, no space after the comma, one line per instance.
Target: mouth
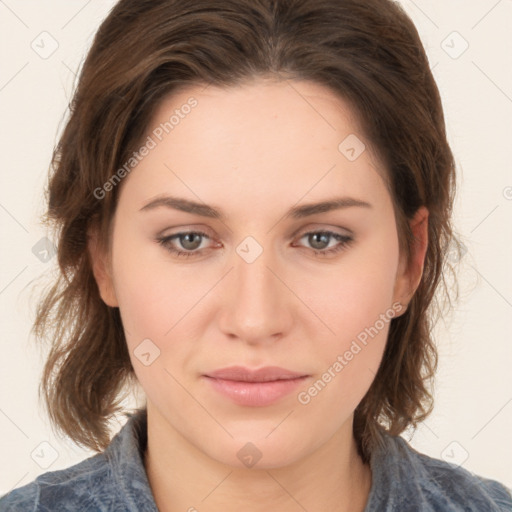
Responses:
[255,388]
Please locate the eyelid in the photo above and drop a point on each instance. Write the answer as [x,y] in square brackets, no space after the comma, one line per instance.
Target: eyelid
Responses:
[298,232]
[323,227]
[343,242]
[187,228]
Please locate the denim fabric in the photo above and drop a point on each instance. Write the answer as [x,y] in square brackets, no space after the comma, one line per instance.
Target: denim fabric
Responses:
[403,480]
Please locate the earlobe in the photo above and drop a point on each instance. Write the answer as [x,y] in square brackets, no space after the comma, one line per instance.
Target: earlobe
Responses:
[101,269]
[410,272]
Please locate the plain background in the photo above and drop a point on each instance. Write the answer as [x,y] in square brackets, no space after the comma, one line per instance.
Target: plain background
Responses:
[472,419]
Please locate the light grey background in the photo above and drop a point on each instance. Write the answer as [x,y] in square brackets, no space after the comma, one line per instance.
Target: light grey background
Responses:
[472,420]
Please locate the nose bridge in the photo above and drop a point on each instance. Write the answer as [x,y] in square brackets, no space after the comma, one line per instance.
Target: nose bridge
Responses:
[256,305]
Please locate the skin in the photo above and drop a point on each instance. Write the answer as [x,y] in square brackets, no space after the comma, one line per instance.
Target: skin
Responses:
[255,151]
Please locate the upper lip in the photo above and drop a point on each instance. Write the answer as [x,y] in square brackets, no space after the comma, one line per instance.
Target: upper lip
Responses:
[265,374]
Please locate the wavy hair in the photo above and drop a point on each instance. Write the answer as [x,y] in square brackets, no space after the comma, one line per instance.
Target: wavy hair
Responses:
[368,52]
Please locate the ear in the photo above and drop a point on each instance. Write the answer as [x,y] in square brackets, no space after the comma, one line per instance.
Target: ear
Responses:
[101,267]
[410,272]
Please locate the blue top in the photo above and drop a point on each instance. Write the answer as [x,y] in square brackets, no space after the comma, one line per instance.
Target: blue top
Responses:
[403,480]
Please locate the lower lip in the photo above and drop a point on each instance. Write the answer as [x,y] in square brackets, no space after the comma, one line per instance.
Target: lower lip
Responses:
[255,394]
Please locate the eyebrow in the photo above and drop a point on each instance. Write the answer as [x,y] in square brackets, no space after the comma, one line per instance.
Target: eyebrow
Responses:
[297,212]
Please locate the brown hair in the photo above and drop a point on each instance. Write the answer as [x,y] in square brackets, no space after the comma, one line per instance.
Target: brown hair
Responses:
[367,51]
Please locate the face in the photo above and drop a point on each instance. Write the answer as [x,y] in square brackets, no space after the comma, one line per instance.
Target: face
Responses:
[256,285]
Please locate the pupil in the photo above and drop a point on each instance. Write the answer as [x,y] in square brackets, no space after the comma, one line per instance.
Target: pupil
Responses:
[188,238]
[317,236]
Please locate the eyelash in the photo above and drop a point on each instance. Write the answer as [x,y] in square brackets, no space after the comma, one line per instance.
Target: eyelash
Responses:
[344,241]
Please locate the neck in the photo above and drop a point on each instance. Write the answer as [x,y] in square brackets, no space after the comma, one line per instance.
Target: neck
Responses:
[182,477]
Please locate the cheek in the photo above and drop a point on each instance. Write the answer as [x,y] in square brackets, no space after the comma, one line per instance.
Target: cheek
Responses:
[352,295]
[149,299]
[152,299]
[356,308]
[349,359]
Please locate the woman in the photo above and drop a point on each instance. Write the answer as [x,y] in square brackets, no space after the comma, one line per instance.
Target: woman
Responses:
[254,208]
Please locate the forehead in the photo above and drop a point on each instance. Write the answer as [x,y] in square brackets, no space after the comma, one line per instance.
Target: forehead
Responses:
[257,143]
[262,104]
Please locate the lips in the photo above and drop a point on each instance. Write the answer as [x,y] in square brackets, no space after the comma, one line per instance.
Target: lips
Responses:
[266,374]
[255,388]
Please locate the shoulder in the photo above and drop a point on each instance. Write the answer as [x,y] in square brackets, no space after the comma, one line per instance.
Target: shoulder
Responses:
[460,486]
[114,480]
[71,486]
[417,481]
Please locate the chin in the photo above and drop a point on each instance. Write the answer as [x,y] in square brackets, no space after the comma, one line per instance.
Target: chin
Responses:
[258,451]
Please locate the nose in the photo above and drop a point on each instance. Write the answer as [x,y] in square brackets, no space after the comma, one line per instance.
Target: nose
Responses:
[256,305]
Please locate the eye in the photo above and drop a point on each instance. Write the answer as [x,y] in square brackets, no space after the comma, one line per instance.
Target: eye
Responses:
[320,239]
[190,241]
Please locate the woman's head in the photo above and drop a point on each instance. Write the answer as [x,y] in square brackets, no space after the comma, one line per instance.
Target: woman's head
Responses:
[253,108]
